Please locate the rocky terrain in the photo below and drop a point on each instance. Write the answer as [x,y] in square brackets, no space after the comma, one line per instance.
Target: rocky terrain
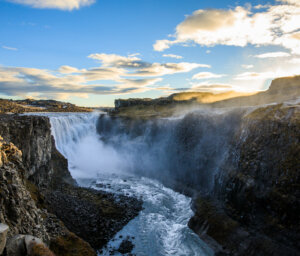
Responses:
[255,207]
[31,105]
[240,165]
[40,198]
[281,89]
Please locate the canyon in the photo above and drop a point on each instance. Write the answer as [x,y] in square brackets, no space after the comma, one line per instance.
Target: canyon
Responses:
[234,162]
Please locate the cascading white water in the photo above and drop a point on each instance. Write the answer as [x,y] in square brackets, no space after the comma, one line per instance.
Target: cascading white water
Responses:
[76,138]
[161,227]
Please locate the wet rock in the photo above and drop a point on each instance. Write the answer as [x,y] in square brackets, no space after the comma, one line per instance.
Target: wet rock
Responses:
[95,216]
[3,236]
[255,205]
[126,246]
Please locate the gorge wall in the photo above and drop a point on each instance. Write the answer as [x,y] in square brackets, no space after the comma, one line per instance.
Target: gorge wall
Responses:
[32,135]
[254,207]
[240,165]
[39,197]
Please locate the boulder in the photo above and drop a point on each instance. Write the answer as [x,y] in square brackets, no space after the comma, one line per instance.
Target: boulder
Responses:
[3,233]
[30,242]
[16,246]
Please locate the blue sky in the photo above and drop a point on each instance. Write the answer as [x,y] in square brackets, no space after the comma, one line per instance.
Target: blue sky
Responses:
[90,52]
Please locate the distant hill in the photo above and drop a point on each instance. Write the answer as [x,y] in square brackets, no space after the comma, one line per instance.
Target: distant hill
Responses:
[280,90]
[206,97]
[30,105]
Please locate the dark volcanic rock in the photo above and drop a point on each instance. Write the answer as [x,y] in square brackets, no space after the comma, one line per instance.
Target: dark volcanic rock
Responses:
[17,208]
[255,209]
[93,215]
[126,246]
[43,164]
[35,185]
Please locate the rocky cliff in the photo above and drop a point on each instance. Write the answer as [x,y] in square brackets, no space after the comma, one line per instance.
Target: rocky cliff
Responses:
[40,198]
[18,209]
[32,135]
[256,202]
[241,164]
[280,90]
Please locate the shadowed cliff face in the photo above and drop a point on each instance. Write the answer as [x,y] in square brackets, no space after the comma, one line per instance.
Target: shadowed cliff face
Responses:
[37,192]
[17,208]
[32,135]
[183,151]
[244,164]
[256,193]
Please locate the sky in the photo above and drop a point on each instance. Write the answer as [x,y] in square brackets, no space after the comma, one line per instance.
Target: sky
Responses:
[91,52]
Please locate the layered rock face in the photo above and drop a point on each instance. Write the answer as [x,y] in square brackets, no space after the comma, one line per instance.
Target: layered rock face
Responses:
[38,194]
[23,209]
[256,204]
[32,135]
[17,208]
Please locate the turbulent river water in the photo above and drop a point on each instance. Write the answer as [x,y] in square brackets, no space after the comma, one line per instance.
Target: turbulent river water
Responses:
[161,227]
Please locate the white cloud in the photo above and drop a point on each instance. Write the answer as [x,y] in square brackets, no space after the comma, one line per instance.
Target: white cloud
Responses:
[272,55]
[268,74]
[158,69]
[55,4]
[172,56]
[293,2]
[247,66]
[137,67]
[116,60]
[207,75]
[254,76]
[68,70]
[161,45]
[116,75]
[295,61]
[9,48]
[209,87]
[271,25]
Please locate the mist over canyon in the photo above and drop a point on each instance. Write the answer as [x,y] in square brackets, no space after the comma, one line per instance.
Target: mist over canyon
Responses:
[205,180]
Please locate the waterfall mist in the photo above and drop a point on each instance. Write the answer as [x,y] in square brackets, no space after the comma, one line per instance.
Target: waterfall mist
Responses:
[179,150]
[76,138]
[183,150]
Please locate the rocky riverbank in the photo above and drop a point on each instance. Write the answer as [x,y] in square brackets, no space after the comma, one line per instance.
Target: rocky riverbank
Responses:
[40,198]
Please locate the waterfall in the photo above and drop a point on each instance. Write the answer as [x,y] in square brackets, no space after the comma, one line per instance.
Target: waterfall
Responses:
[186,150]
[116,162]
[77,139]
[69,129]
